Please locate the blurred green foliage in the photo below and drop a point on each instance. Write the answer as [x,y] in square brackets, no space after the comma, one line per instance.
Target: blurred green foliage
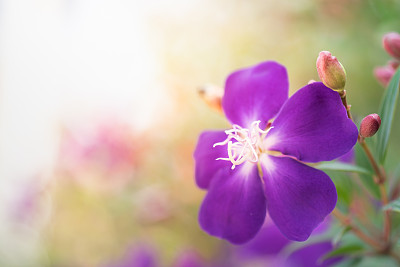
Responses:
[203,44]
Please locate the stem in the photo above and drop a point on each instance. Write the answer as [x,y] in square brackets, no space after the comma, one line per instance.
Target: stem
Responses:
[381,178]
[344,102]
[374,164]
[363,188]
[395,256]
[384,196]
[360,234]
[385,201]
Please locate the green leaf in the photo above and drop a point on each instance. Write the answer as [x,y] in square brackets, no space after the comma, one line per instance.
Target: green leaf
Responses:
[336,239]
[340,166]
[344,250]
[396,173]
[352,262]
[373,261]
[345,187]
[393,206]
[386,112]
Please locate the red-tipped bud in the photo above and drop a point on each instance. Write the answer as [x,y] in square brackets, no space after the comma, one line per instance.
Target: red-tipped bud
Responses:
[330,71]
[394,63]
[212,95]
[391,43]
[370,125]
[384,74]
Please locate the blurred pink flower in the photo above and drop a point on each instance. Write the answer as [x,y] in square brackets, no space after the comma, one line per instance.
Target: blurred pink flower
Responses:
[101,156]
[384,73]
[391,44]
[153,204]
[141,255]
[30,204]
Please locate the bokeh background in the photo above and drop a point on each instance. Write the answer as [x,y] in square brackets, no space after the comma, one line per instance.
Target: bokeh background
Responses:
[99,111]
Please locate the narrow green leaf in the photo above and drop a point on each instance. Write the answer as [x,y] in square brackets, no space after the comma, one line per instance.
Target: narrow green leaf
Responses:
[373,261]
[336,239]
[396,173]
[386,112]
[340,166]
[352,262]
[393,206]
[344,250]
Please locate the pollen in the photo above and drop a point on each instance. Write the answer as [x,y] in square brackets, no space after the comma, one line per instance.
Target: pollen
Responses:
[244,144]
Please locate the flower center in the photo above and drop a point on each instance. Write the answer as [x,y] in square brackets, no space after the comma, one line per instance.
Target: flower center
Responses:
[243,144]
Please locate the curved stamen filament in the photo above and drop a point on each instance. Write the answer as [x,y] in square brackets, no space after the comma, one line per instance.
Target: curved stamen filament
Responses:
[247,144]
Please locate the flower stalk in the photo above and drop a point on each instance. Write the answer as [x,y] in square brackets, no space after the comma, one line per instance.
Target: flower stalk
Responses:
[385,201]
[380,181]
[342,94]
[395,256]
[346,221]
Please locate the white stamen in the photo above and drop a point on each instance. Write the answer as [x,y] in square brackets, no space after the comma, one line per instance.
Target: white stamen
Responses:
[247,146]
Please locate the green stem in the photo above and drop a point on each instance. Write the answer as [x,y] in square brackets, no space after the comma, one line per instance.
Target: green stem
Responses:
[381,178]
[345,220]
[342,94]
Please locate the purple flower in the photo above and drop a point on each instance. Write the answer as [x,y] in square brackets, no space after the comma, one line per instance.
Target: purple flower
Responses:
[348,157]
[268,243]
[312,255]
[265,169]
[270,247]
[189,259]
[138,256]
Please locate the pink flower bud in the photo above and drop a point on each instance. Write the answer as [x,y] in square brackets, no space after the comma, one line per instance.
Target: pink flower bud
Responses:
[370,125]
[391,43]
[393,63]
[330,71]
[384,74]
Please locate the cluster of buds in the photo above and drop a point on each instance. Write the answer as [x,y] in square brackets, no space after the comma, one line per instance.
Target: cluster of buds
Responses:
[333,75]
[391,44]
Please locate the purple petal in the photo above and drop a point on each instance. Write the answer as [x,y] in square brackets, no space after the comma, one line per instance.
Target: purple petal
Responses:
[189,259]
[139,256]
[348,157]
[205,156]
[323,227]
[310,256]
[313,126]
[255,93]
[298,197]
[268,241]
[234,207]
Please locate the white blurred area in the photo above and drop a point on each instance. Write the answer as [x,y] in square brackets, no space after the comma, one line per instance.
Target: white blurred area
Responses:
[67,62]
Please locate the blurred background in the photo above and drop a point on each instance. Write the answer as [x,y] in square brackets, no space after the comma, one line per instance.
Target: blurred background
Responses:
[99,112]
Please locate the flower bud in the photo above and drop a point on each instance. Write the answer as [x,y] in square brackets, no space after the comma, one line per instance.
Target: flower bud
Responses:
[370,125]
[212,95]
[391,43]
[330,71]
[393,63]
[384,74]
